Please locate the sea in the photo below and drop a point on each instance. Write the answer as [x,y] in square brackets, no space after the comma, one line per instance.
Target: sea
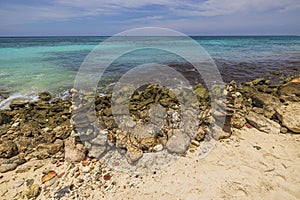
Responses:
[29,65]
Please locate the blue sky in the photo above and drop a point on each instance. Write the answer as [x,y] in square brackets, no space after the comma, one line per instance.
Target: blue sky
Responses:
[108,17]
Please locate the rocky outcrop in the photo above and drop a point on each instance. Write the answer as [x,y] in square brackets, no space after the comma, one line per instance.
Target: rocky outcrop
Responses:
[66,129]
[292,88]
[155,113]
[289,115]
[272,104]
[256,82]
[263,100]
[18,103]
[34,129]
[267,102]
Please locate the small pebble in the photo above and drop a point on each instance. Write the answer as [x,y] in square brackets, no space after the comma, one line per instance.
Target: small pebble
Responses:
[18,183]
[29,182]
[16,124]
[107,177]
[86,169]
[61,175]
[81,180]
[257,147]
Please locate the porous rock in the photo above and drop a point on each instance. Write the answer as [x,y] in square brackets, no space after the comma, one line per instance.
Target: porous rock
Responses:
[8,149]
[289,115]
[262,123]
[178,142]
[74,152]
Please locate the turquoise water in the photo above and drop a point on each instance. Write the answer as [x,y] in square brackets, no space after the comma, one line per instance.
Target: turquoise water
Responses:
[32,64]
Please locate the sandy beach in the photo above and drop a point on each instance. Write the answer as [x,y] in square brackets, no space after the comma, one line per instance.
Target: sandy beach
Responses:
[248,165]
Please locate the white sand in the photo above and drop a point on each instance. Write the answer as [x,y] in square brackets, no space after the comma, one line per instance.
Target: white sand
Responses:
[234,169]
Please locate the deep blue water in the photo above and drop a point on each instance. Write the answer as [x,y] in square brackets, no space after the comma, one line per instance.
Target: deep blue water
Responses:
[33,64]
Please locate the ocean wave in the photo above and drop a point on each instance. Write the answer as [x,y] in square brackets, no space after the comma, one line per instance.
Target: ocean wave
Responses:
[4,104]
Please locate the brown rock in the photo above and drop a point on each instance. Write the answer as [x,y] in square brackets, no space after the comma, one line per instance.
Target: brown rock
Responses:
[7,167]
[18,103]
[178,142]
[262,100]
[237,121]
[133,154]
[260,81]
[147,143]
[290,116]
[49,137]
[74,152]
[62,132]
[201,133]
[19,160]
[35,164]
[46,149]
[40,105]
[258,110]
[4,118]
[32,191]
[291,88]
[219,133]
[238,101]
[97,151]
[30,128]
[24,143]
[121,141]
[269,112]
[262,123]
[45,96]
[8,149]
[266,101]
[201,92]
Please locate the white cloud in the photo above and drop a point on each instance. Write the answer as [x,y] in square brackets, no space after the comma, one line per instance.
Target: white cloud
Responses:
[11,14]
[113,3]
[181,8]
[146,19]
[22,14]
[229,7]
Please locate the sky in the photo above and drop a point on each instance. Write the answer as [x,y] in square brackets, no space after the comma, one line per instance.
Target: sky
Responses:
[109,17]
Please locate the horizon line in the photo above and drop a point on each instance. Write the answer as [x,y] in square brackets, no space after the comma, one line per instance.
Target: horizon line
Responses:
[203,35]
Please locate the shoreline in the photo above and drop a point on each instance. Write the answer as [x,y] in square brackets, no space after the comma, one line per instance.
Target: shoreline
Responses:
[276,76]
[57,130]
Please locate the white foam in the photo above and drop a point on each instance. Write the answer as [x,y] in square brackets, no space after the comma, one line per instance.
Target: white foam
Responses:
[4,104]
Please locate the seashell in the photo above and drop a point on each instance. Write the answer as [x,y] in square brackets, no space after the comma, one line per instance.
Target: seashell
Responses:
[48,176]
